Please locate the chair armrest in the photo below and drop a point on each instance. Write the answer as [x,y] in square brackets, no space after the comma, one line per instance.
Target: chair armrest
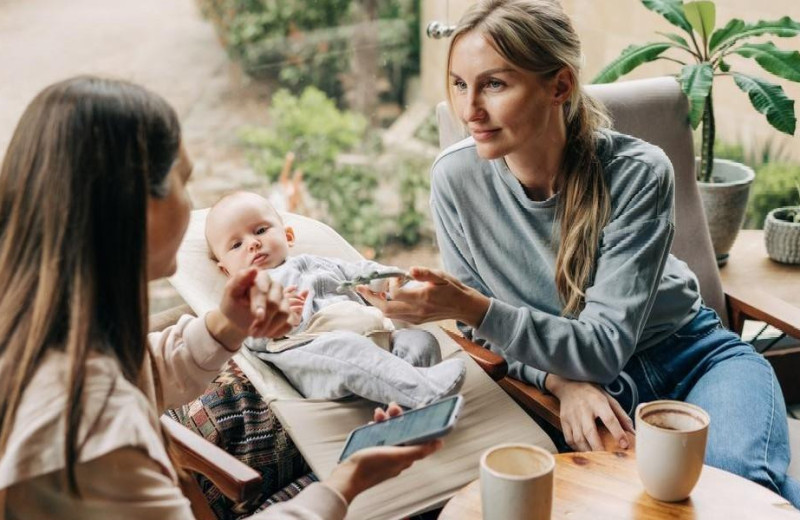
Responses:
[491,363]
[164,319]
[235,479]
[547,407]
[752,303]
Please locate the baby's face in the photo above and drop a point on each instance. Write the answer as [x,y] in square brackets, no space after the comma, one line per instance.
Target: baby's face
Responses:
[244,230]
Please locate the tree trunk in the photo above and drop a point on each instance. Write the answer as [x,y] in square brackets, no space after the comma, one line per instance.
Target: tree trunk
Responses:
[363,96]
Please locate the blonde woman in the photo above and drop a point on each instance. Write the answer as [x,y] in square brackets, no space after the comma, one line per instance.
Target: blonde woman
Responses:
[556,232]
[92,206]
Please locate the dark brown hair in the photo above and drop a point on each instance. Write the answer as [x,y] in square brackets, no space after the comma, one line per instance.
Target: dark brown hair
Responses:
[85,156]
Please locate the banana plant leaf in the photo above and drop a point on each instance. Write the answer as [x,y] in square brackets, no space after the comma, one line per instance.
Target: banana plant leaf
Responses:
[672,10]
[631,57]
[696,80]
[681,42]
[785,64]
[770,100]
[702,16]
[736,30]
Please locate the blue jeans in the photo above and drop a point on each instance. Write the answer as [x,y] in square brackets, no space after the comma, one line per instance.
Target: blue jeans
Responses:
[705,364]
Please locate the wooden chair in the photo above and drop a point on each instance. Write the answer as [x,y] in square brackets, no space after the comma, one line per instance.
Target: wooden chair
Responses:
[656,110]
[194,454]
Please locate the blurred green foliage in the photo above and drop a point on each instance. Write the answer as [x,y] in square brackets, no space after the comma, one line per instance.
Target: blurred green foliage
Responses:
[338,157]
[776,178]
[775,186]
[414,186]
[301,43]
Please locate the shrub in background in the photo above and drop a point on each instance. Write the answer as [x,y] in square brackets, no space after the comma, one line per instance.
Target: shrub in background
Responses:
[339,159]
[775,179]
[774,187]
[301,43]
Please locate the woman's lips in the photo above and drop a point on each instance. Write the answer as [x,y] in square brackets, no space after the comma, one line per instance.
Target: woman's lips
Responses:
[484,135]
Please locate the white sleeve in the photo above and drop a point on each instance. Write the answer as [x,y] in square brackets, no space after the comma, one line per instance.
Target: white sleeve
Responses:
[316,502]
[187,357]
[127,484]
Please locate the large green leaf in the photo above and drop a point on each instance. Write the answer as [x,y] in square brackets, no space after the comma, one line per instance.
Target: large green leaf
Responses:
[672,10]
[785,64]
[733,32]
[702,15]
[731,29]
[696,83]
[631,57]
[770,100]
[675,38]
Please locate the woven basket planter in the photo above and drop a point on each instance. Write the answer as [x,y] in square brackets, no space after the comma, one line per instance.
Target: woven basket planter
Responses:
[782,238]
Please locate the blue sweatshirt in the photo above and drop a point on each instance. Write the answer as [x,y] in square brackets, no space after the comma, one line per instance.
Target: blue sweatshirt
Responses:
[498,241]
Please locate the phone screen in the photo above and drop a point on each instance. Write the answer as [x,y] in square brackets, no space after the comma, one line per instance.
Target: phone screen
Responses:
[399,430]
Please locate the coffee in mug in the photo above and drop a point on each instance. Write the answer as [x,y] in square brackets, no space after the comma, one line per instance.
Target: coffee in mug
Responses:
[670,447]
[517,482]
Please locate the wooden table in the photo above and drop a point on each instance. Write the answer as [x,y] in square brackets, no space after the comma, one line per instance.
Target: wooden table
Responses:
[605,485]
[751,276]
[749,265]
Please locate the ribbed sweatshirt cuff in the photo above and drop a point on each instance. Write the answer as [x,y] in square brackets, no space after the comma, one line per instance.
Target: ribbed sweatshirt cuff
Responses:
[500,328]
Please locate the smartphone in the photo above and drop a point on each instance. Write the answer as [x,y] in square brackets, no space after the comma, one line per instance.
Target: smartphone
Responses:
[413,427]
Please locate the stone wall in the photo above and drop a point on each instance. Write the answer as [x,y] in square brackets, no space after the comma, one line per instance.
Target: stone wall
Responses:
[608,26]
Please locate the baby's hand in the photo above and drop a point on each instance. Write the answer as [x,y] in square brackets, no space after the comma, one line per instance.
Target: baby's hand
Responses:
[297,301]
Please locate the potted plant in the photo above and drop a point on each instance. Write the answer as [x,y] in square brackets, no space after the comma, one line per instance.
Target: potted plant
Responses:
[782,233]
[724,185]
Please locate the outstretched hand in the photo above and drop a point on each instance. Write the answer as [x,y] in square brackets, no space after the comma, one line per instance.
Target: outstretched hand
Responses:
[440,297]
[371,466]
[252,305]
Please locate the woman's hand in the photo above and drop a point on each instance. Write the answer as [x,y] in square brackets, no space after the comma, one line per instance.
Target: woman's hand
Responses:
[369,467]
[581,405]
[252,305]
[441,297]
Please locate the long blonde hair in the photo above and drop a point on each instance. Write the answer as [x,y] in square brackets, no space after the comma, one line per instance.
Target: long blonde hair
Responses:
[537,35]
[74,186]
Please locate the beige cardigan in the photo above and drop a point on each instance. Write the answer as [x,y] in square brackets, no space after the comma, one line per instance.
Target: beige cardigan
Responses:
[124,471]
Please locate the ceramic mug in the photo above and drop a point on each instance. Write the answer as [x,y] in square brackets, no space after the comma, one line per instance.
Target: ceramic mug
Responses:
[517,482]
[670,447]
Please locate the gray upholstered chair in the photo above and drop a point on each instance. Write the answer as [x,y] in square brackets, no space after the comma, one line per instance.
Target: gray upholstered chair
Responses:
[656,110]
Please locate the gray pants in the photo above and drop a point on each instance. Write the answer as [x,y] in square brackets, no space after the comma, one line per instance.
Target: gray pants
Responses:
[342,363]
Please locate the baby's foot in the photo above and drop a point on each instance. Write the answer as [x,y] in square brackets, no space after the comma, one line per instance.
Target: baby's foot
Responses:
[445,379]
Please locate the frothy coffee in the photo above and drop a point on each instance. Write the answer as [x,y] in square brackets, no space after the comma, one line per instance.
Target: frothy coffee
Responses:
[517,462]
[674,420]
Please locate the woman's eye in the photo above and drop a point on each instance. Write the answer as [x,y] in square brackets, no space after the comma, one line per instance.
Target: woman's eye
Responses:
[460,85]
[494,84]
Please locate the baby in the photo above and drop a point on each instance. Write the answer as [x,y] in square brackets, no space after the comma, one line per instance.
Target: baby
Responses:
[339,346]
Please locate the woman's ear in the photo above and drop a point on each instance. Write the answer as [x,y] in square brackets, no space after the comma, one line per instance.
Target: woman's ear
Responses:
[563,83]
[290,235]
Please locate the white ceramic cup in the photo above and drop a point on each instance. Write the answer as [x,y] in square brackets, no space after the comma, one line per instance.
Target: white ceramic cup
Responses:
[670,447]
[517,482]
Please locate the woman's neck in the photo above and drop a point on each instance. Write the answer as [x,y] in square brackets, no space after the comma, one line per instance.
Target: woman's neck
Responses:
[537,168]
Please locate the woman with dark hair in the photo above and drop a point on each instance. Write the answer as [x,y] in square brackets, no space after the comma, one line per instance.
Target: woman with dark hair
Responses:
[93,206]
[557,232]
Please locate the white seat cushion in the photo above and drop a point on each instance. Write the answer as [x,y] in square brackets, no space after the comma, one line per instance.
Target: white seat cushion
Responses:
[319,428]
